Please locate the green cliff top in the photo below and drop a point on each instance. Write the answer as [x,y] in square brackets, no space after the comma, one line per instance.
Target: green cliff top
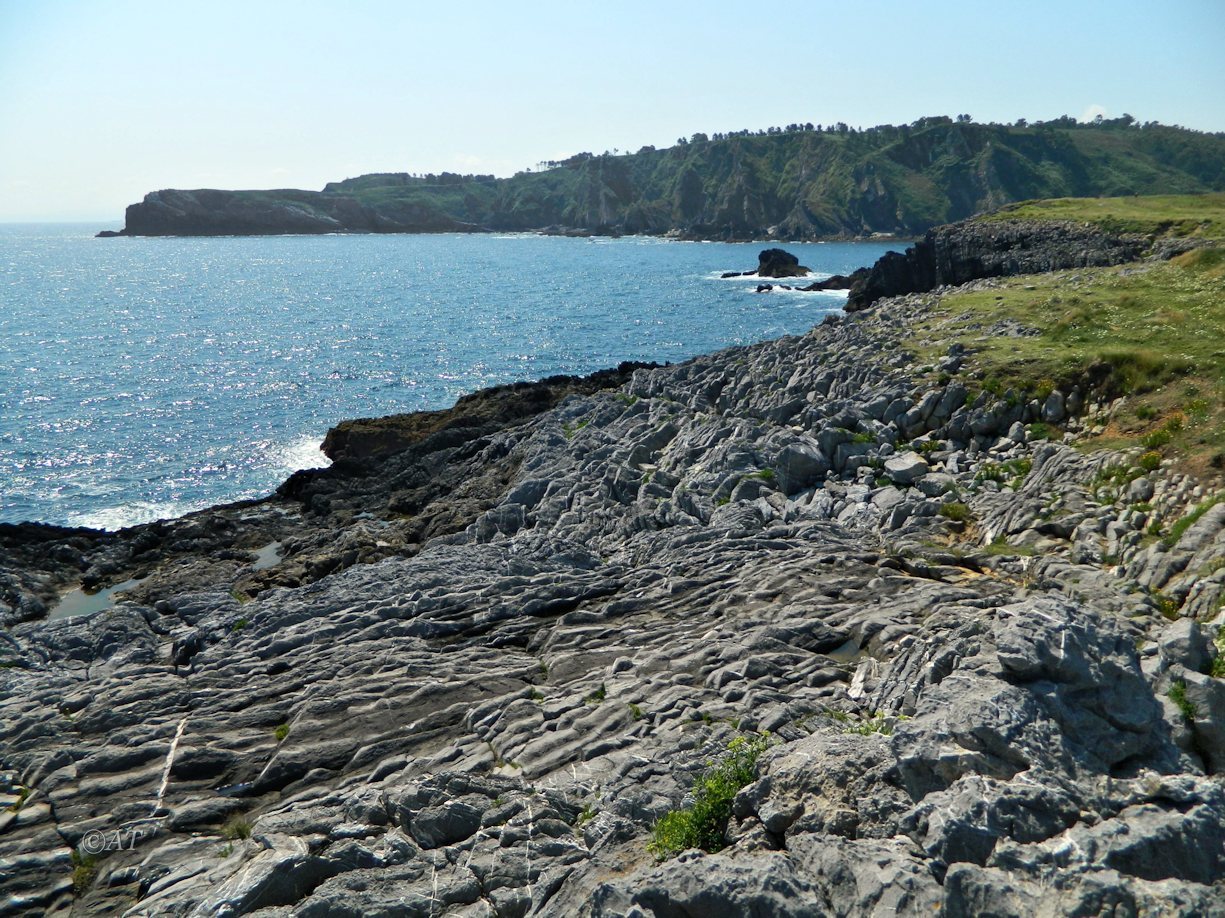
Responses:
[1200,215]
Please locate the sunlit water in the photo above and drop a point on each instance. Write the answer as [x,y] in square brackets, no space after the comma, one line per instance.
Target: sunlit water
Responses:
[144,378]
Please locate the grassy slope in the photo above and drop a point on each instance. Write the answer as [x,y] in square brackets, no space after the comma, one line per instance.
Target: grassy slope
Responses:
[1152,331]
[1177,215]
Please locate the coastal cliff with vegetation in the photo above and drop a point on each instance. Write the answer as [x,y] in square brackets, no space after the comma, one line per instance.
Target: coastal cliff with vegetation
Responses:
[803,181]
[920,612]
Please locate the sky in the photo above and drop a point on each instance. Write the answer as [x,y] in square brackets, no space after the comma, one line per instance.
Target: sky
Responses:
[104,101]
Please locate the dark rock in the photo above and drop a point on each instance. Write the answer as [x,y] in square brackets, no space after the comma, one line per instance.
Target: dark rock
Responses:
[779,263]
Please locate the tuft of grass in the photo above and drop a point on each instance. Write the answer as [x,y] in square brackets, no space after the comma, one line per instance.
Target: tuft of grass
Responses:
[636,711]
[281,732]
[236,828]
[766,475]
[1040,431]
[597,696]
[240,624]
[586,816]
[703,824]
[1178,695]
[23,794]
[874,724]
[956,511]
[84,869]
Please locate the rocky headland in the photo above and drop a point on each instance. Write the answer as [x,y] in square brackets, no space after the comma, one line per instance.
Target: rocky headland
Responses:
[496,646]
[801,182]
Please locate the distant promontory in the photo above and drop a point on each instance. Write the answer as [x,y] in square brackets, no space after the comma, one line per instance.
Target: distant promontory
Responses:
[803,181]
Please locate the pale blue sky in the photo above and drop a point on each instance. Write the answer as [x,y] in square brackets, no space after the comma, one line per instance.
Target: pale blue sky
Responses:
[103,101]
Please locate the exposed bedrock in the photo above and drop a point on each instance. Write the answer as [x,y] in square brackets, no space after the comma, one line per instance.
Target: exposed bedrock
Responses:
[974,249]
[491,655]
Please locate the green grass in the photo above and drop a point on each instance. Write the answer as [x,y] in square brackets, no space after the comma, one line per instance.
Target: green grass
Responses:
[704,823]
[1172,214]
[1154,332]
[956,511]
[281,732]
[236,828]
[1179,528]
[1178,695]
[84,869]
[597,696]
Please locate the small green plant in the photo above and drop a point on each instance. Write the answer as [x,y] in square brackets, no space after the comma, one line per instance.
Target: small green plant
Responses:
[569,430]
[281,732]
[239,625]
[1178,695]
[626,399]
[1155,439]
[1166,605]
[597,696]
[535,695]
[1146,412]
[236,828]
[956,511]
[703,824]
[23,794]
[1218,662]
[586,816]
[84,869]
[1150,461]
[863,437]
[874,724]
[925,447]
[1039,431]
[226,850]
[636,711]
[764,474]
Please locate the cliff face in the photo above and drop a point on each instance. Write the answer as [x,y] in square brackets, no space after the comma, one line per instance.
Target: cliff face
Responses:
[795,184]
[237,213]
[496,645]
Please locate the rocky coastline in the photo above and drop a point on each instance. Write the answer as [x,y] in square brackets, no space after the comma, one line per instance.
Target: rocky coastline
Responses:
[496,645]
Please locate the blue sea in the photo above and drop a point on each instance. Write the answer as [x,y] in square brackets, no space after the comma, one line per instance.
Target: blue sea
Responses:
[145,378]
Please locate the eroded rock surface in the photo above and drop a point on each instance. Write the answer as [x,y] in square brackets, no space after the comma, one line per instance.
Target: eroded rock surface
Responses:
[491,656]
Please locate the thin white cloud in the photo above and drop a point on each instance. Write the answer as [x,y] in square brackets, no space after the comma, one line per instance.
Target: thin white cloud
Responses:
[1093,111]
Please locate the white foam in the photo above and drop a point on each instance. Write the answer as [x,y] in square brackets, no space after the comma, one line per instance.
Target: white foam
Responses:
[113,518]
[299,454]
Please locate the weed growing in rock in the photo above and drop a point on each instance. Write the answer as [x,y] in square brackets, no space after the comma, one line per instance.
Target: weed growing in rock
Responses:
[1178,695]
[956,511]
[874,724]
[23,794]
[597,696]
[236,828]
[636,711]
[1040,431]
[703,823]
[84,869]
[281,732]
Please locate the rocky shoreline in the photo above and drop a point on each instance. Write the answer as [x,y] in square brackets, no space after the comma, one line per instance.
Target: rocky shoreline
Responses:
[497,644]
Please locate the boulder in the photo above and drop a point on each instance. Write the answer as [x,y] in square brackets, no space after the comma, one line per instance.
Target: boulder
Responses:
[778,263]
[906,468]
